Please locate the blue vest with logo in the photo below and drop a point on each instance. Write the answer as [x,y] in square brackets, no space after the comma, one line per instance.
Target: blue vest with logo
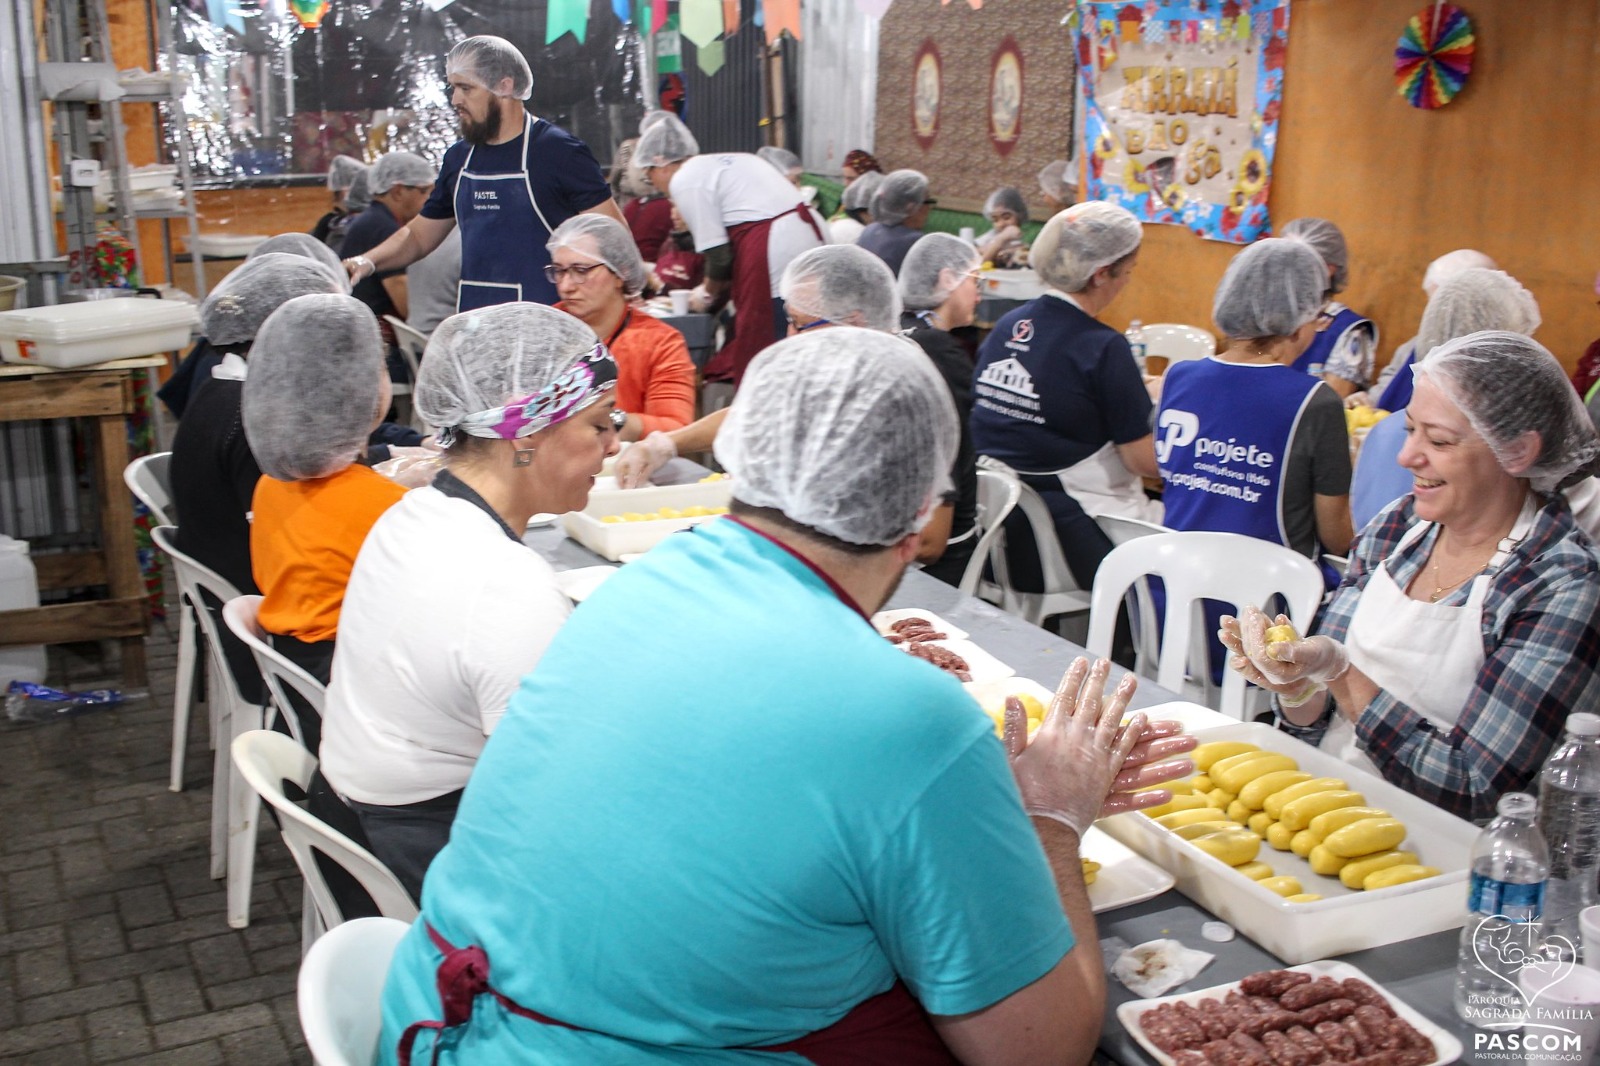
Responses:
[1334,321]
[1397,396]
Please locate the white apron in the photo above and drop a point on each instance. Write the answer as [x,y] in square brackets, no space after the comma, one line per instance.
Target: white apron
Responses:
[1102,484]
[1426,655]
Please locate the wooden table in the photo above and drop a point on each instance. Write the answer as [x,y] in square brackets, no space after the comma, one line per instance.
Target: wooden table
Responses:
[105,393]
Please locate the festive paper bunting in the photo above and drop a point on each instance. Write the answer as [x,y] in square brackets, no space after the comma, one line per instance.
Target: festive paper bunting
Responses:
[309,12]
[710,57]
[1434,56]
[669,48]
[566,15]
[623,9]
[782,15]
[702,20]
[730,17]
[658,15]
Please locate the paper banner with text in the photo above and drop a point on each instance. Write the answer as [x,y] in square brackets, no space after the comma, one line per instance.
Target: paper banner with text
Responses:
[1181,109]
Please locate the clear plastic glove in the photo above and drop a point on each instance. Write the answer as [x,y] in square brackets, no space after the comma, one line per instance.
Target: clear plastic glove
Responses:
[643,458]
[412,467]
[699,300]
[1359,399]
[1288,664]
[359,267]
[1069,769]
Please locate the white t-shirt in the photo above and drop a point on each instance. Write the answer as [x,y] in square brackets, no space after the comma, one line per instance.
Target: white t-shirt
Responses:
[714,192]
[443,616]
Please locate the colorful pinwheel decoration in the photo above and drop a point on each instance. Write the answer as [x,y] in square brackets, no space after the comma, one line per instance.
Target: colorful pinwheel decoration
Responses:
[1434,56]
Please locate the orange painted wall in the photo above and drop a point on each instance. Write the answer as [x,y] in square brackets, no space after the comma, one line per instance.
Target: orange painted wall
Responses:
[1511,167]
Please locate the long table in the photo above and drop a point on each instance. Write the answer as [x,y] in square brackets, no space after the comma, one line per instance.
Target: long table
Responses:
[1420,971]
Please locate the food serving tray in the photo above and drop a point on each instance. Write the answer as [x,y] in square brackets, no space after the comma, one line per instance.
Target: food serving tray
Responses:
[1446,1047]
[1124,878]
[884,621]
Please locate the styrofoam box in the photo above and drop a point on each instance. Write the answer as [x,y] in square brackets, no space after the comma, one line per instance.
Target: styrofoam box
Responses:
[612,540]
[227,245]
[1021,284]
[80,334]
[1344,920]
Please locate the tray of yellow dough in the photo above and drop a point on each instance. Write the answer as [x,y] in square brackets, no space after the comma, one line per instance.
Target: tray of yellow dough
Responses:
[1344,919]
[619,522]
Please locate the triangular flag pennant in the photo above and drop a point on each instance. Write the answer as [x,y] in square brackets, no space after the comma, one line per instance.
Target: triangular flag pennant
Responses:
[758,19]
[709,58]
[730,17]
[658,15]
[701,19]
[874,9]
[564,16]
[781,15]
[669,48]
[623,9]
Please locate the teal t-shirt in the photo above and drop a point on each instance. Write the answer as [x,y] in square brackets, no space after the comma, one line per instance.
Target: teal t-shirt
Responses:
[721,813]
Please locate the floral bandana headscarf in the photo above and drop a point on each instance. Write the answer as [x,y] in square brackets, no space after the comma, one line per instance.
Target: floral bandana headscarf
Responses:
[575,390]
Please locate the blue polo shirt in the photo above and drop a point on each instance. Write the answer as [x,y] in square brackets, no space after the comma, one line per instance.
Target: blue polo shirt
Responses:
[721,813]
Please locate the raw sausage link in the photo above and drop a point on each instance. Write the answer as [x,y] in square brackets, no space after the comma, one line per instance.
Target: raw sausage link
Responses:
[1364,995]
[1215,1019]
[1190,1057]
[1284,1052]
[1386,1031]
[1249,1051]
[1364,1040]
[1272,983]
[1308,1042]
[1332,1010]
[1302,996]
[1266,1023]
[1405,1057]
[1337,1039]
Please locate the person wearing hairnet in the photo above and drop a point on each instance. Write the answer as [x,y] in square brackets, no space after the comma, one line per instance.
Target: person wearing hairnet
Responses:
[855,208]
[1392,390]
[597,273]
[1466,301]
[307,415]
[834,285]
[1057,184]
[939,290]
[645,208]
[1468,625]
[508,183]
[341,176]
[677,264]
[788,164]
[400,184]
[1059,398]
[1344,351]
[523,394]
[432,283]
[858,163]
[900,209]
[1007,213]
[806,845]
[1288,449]
[747,221]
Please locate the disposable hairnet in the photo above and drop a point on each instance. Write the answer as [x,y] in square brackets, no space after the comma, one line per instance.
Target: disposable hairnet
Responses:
[1082,239]
[1473,301]
[900,194]
[609,242]
[847,285]
[783,161]
[400,168]
[485,358]
[233,311]
[342,171]
[626,179]
[302,244]
[667,140]
[1450,264]
[1007,198]
[489,60]
[859,193]
[845,431]
[359,198]
[652,117]
[1325,237]
[1271,289]
[1055,180]
[316,387]
[1509,385]
[924,281]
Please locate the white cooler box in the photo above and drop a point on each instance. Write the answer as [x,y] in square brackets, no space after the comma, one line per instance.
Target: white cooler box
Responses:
[1344,920]
[81,334]
[1021,284]
[612,540]
[227,245]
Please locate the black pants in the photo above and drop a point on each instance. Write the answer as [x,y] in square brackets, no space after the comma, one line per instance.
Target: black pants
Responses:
[406,838]
[323,802]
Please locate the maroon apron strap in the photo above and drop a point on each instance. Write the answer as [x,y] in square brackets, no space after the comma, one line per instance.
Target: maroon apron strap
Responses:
[889,1027]
[753,325]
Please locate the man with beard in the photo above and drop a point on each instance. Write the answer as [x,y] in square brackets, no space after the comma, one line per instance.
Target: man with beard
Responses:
[509,182]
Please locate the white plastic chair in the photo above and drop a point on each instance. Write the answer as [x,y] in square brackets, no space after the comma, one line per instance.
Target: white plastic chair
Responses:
[1177,343]
[1146,638]
[266,759]
[1062,594]
[998,493]
[340,990]
[147,478]
[281,675]
[233,808]
[1234,569]
[412,343]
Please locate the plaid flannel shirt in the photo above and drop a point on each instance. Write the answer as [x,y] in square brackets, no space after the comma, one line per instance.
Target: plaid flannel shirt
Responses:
[1541,646]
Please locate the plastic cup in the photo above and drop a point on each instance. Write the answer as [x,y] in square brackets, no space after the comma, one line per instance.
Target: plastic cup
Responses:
[1563,1013]
[680,301]
[1589,925]
[969,235]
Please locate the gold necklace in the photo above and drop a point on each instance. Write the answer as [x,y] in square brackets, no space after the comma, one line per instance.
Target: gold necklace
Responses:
[1439,590]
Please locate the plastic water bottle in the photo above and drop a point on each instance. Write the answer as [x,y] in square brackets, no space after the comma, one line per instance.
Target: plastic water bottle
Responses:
[1135,337]
[1569,819]
[1505,908]
[19,588]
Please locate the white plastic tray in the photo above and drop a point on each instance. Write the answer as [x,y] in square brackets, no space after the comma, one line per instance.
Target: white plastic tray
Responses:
[612,540]
[81,334]
[883,620]
[1344,920]
[1125,878]
[227,245]
[1446,1047]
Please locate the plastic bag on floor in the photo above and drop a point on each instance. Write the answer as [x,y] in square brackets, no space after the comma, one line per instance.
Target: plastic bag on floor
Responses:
[29,702]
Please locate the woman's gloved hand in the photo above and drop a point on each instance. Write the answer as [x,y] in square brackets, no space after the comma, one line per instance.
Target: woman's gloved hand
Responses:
[643,458]
[1291,668]
[1359,399]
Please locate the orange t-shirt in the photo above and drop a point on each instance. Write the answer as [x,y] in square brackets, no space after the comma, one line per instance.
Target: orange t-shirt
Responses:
[304,536]
[655,376]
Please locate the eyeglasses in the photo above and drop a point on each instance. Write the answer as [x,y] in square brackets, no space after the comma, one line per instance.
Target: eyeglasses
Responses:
[580,274]
[813,324]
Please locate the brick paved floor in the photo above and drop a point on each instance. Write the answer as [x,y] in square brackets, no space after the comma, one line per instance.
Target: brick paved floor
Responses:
[114,946]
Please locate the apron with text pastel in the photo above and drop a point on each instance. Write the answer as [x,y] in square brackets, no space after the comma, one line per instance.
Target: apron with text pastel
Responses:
[755,325]
[503,232]
[1426,655]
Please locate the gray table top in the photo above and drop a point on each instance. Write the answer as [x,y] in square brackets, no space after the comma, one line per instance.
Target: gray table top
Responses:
[1419,971]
